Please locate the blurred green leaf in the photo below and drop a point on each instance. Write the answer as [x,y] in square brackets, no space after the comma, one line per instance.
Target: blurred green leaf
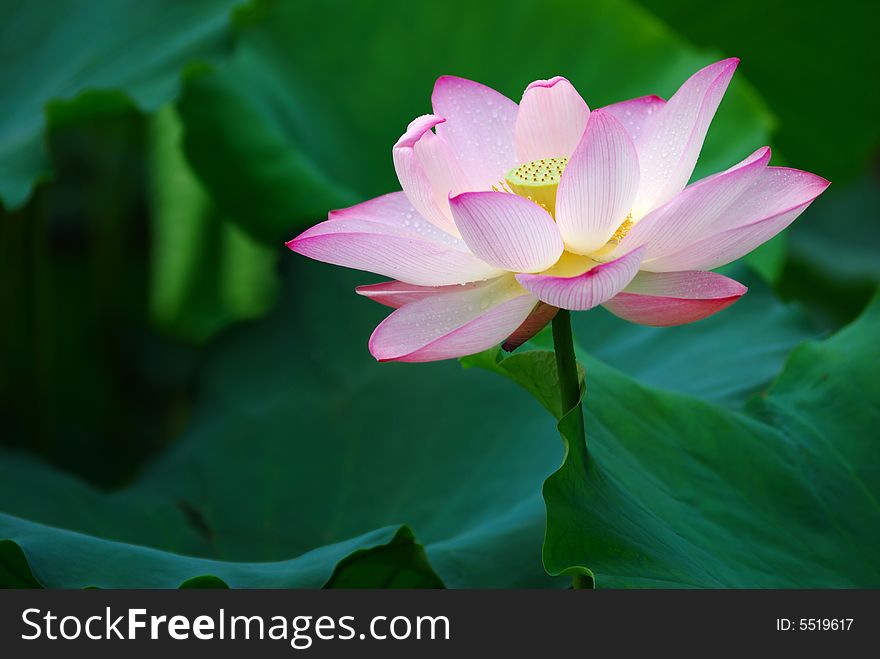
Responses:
[205,272]
[768,260]
[315,95]
[834,266]
[814,62]
[80,47]
[673,492]
[85,383]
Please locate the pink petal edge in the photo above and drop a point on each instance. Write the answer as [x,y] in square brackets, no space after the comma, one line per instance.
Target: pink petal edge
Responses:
[395,294]
[746,232]
[381,236]
[669,149]
[636,113]
[452,324]
[674,298]
[692,214]
[586,290]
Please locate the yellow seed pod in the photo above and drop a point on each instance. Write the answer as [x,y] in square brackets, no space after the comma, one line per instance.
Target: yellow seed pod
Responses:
[538,180]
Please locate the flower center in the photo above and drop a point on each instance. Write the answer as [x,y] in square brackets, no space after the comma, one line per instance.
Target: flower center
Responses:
[538,180]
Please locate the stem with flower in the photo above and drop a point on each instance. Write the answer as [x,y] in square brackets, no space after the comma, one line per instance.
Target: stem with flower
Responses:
[509,211]
[570,393]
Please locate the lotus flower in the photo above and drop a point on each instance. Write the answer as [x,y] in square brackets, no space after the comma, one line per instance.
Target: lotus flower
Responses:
[509,213]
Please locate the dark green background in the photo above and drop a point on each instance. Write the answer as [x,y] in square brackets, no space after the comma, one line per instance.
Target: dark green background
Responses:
[180,396]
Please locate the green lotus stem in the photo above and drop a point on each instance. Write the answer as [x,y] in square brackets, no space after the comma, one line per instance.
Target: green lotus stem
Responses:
[570,390]
[566,363]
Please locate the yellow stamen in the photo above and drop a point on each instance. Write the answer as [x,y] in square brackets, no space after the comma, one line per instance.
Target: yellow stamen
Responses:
[623,229]
[615,239]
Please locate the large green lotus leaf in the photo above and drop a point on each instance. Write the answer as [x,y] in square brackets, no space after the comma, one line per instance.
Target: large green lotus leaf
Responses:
[55,54]
[300,440]
[673,491]
[48,557]
[317,93]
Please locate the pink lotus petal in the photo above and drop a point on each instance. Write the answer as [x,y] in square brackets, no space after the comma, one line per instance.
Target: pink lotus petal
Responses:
[414,178]
[537,320]
[693,214]
[598,185]
[507,231]
[668,150]
[395,209]
[398,251]
[636,113]
[586,290]
[441,167]
[479,127]
[772,203]
[776,190]
[674,298]
[452,324]
[551,119]
[395,294]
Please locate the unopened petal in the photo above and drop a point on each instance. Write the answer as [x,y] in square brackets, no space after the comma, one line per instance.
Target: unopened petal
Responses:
[424,185]
[551,120]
